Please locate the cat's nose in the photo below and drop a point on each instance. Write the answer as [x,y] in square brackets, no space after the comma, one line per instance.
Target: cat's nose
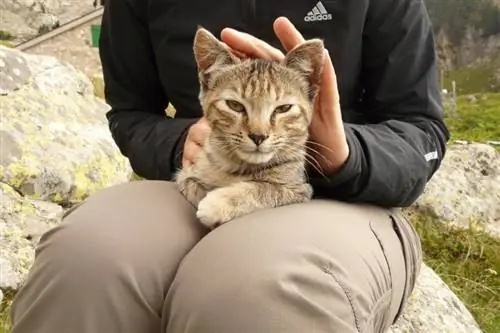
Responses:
[257,138]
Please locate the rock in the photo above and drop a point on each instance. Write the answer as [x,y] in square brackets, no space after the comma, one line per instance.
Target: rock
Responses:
[466,188]
[27,18]
[472,99]
[493,143]
[56,150]
[433,308]
[22,222]
[56,142]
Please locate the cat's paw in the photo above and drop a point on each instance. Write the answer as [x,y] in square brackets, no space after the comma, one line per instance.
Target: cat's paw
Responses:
[217,208]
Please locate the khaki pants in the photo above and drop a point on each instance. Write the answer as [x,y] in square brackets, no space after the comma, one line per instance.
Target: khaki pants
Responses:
[134,259]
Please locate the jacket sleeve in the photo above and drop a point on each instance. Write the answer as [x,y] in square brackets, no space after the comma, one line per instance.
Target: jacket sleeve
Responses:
[401,146]
[138,122]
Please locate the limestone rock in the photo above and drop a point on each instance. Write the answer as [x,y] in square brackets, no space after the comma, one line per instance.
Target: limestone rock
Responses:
[56,149]
[56,144]
[27,18]
[434,308]
[466,188]
[22,222]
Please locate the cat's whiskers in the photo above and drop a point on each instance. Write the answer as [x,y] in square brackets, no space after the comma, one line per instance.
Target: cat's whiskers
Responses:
[321,146]
[297,148]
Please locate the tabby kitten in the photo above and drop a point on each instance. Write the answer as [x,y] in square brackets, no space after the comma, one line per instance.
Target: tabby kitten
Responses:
[259,112]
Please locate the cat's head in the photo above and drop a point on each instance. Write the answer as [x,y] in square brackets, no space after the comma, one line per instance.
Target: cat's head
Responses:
[259,110]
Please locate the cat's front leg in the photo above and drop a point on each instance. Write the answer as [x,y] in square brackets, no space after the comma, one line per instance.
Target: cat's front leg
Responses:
[227,203]
[191,188]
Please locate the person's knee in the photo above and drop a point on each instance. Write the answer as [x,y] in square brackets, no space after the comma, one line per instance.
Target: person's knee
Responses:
[124,240]
[310,268]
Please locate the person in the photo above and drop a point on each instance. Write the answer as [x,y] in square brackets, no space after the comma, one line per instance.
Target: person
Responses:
[133,258]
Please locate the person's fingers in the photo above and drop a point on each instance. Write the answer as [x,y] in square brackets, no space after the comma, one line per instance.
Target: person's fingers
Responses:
[191,149]
[329,82]
[250,45]
[235,52]
[199,131]
[329,100]
[286,32]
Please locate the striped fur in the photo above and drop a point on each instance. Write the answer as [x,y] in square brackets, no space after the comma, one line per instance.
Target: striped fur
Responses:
[269,101]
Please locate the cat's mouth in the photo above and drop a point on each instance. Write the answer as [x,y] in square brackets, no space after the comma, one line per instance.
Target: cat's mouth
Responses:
[256,156]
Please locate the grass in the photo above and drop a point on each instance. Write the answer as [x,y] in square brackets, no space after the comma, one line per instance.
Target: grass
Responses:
[476,79]
[468,261]
[476,121]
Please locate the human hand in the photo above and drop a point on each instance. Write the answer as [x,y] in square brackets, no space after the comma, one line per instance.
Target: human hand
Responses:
[328,141]
[195,139]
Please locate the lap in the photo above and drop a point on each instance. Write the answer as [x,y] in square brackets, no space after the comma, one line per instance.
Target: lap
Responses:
[343,253]
[319,263]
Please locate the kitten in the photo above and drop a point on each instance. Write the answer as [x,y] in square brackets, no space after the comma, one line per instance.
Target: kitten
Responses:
[259,112]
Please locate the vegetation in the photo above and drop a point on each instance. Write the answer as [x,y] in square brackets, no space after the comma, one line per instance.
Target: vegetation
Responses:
[98,83]
[468,262]
[477,118]
[456,16]
[6,36]
[4,312]
[481,78]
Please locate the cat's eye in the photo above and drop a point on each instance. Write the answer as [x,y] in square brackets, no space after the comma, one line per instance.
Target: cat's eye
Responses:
[283,108]
[235,106]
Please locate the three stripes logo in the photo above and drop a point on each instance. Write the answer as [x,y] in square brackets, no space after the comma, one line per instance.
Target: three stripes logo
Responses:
[318,13]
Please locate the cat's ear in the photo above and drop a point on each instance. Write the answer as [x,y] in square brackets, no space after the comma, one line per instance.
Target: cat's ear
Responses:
[210,53]
[308,59]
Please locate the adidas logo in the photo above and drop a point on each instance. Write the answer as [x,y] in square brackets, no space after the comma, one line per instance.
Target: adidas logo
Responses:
[318,13]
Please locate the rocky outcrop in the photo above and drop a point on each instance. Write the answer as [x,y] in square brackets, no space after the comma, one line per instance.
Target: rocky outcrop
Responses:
[466,188]
[27,18]
[56,150]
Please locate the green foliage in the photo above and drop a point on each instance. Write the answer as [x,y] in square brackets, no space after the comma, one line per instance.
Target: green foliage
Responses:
[477,120]
[468,262]
[6,36]
[455,16]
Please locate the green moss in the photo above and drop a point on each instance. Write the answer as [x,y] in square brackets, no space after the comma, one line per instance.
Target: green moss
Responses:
[135,177]
[98,83]
[476,121]
[6,36]
[4,311]
[7,44]
[468,262]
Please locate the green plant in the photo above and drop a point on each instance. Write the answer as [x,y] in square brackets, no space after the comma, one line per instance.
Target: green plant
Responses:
[477,120]
[468,262]
[480,78]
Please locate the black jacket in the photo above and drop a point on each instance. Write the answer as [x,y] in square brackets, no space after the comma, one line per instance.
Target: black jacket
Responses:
[383,52]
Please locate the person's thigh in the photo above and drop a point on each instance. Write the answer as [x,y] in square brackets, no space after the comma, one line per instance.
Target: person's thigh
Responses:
[315,267]
[108,266]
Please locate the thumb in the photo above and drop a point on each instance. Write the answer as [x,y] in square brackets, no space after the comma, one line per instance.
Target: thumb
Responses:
[329,94]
